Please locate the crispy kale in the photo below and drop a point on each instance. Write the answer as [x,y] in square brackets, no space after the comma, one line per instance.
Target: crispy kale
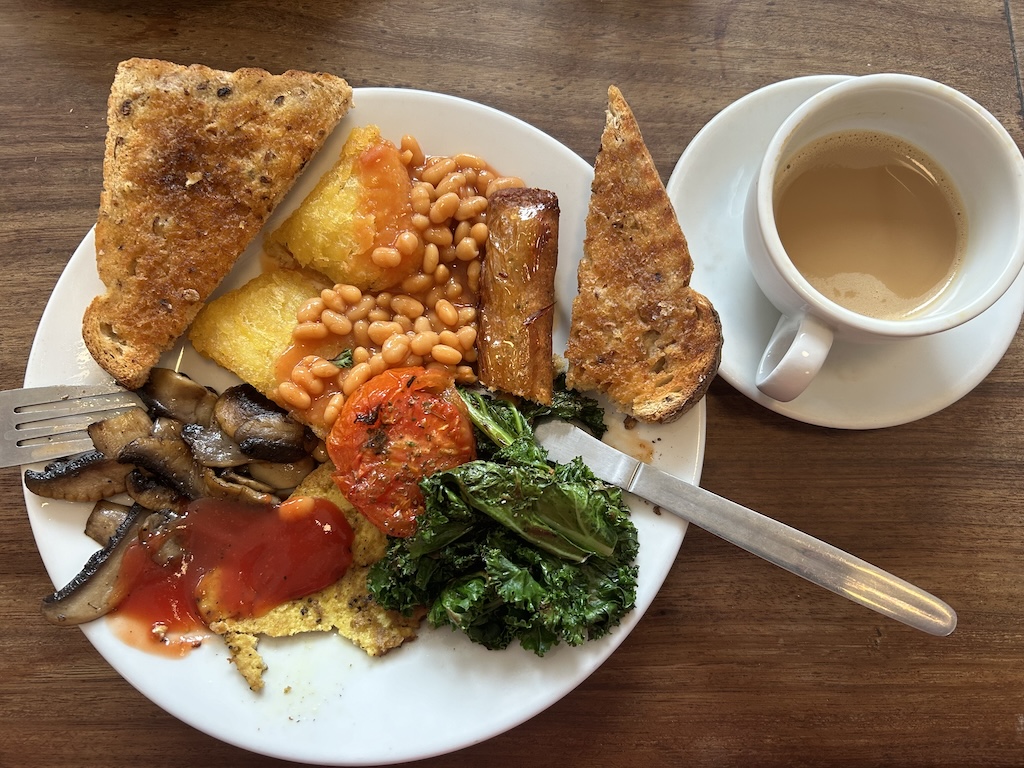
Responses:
[511,547]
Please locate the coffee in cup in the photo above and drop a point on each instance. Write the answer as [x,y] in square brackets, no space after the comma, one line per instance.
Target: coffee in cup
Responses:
[872,222]
[886,207]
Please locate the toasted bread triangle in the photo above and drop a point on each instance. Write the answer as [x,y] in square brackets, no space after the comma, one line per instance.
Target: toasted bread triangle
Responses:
[639,333]
[196,159]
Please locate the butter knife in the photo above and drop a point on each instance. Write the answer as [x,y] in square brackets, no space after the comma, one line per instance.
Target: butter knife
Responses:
[776,542]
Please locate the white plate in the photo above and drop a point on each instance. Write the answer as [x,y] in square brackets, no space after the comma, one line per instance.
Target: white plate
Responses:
[860,386]
[441,692]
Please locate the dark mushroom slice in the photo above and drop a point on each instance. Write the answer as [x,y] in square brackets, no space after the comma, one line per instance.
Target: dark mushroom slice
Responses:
[211,447]
[261,429]
[167,456]
[148,491]
[231,485]
[104,520]
[173,394]
[281,476]
[111,435]
[95,591]
[89,476]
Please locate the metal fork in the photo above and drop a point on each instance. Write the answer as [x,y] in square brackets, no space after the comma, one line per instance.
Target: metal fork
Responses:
[47,423]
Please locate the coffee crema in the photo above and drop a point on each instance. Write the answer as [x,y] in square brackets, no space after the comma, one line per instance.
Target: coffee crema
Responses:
[871,222]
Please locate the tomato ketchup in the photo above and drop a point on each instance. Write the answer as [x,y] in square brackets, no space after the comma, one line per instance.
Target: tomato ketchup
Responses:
[226,559]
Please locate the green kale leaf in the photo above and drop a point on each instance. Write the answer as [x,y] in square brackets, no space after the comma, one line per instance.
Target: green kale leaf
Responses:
[511,547]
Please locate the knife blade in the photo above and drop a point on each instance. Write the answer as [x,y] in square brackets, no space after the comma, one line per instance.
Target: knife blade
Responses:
[791,549]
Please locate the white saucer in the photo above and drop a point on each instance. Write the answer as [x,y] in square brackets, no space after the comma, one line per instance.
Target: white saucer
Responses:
[861,386]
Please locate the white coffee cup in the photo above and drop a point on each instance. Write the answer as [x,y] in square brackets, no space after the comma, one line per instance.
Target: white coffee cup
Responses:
[980,160]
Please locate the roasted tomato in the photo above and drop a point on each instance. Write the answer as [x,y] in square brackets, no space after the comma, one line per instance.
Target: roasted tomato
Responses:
[400,426]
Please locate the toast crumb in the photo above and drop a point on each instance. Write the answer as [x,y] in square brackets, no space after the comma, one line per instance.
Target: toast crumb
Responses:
[640,334]
[195,161]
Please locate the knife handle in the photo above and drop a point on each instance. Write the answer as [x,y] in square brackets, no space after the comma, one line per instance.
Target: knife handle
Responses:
[796,552]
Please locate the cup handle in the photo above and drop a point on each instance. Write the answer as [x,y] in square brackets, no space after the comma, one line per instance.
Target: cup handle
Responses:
[795,353]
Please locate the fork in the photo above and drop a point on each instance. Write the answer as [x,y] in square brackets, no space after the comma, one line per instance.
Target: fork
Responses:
[47,423]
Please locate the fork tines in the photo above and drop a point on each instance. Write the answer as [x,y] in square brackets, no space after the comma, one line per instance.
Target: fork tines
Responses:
[44,423]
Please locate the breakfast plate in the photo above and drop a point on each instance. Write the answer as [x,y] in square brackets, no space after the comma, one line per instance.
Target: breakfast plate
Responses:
[860,386]
[326,702]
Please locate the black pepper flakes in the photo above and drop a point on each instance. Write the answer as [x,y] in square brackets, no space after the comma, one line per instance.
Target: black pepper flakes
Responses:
[126,107]
[279,100]
[224,91]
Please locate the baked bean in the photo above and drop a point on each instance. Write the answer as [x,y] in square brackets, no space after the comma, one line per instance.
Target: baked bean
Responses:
[311,310]
[446,312]
[409,243]
[336,323]
[467,160]
[431,258]
[421,221]
[470,355]
[503,182]
[333,408]
[405,322]
[446,355]
[377,365]
[452,289]
[349,293]
[483,178]
[434,295]
[361,333]
[467,337]
[362,308]
[386,257]
[381,331]
[406,306]
[395,349]
[423,342]
[417,284]
[422,324]
[467,315]
[357,376]
[294,395]
[449,338]
[473,275]
[453,182]
[436,171]
[448,254]
[309,331]
[410,144]
[444,207]
[438,235]
[464,374]
[412,361]
[360,355]
[473,206]
[378,314]
[462,231]
[384,299]
[323,368]
[467,249]
[332,300]
[419,198]
[479,232]
[441,274]
[303,377]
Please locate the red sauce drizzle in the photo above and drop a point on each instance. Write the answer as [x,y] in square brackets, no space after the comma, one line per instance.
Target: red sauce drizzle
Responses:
[233,560]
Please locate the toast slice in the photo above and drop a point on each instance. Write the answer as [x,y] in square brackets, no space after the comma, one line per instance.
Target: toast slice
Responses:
[196,159]
[639,334]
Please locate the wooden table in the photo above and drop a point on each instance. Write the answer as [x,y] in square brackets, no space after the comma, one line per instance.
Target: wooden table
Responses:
[737,663]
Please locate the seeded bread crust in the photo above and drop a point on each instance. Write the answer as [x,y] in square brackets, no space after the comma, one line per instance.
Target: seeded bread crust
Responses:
[639,333]
[196,159]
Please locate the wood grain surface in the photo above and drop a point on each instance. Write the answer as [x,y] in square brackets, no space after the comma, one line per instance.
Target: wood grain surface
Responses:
[737,663]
